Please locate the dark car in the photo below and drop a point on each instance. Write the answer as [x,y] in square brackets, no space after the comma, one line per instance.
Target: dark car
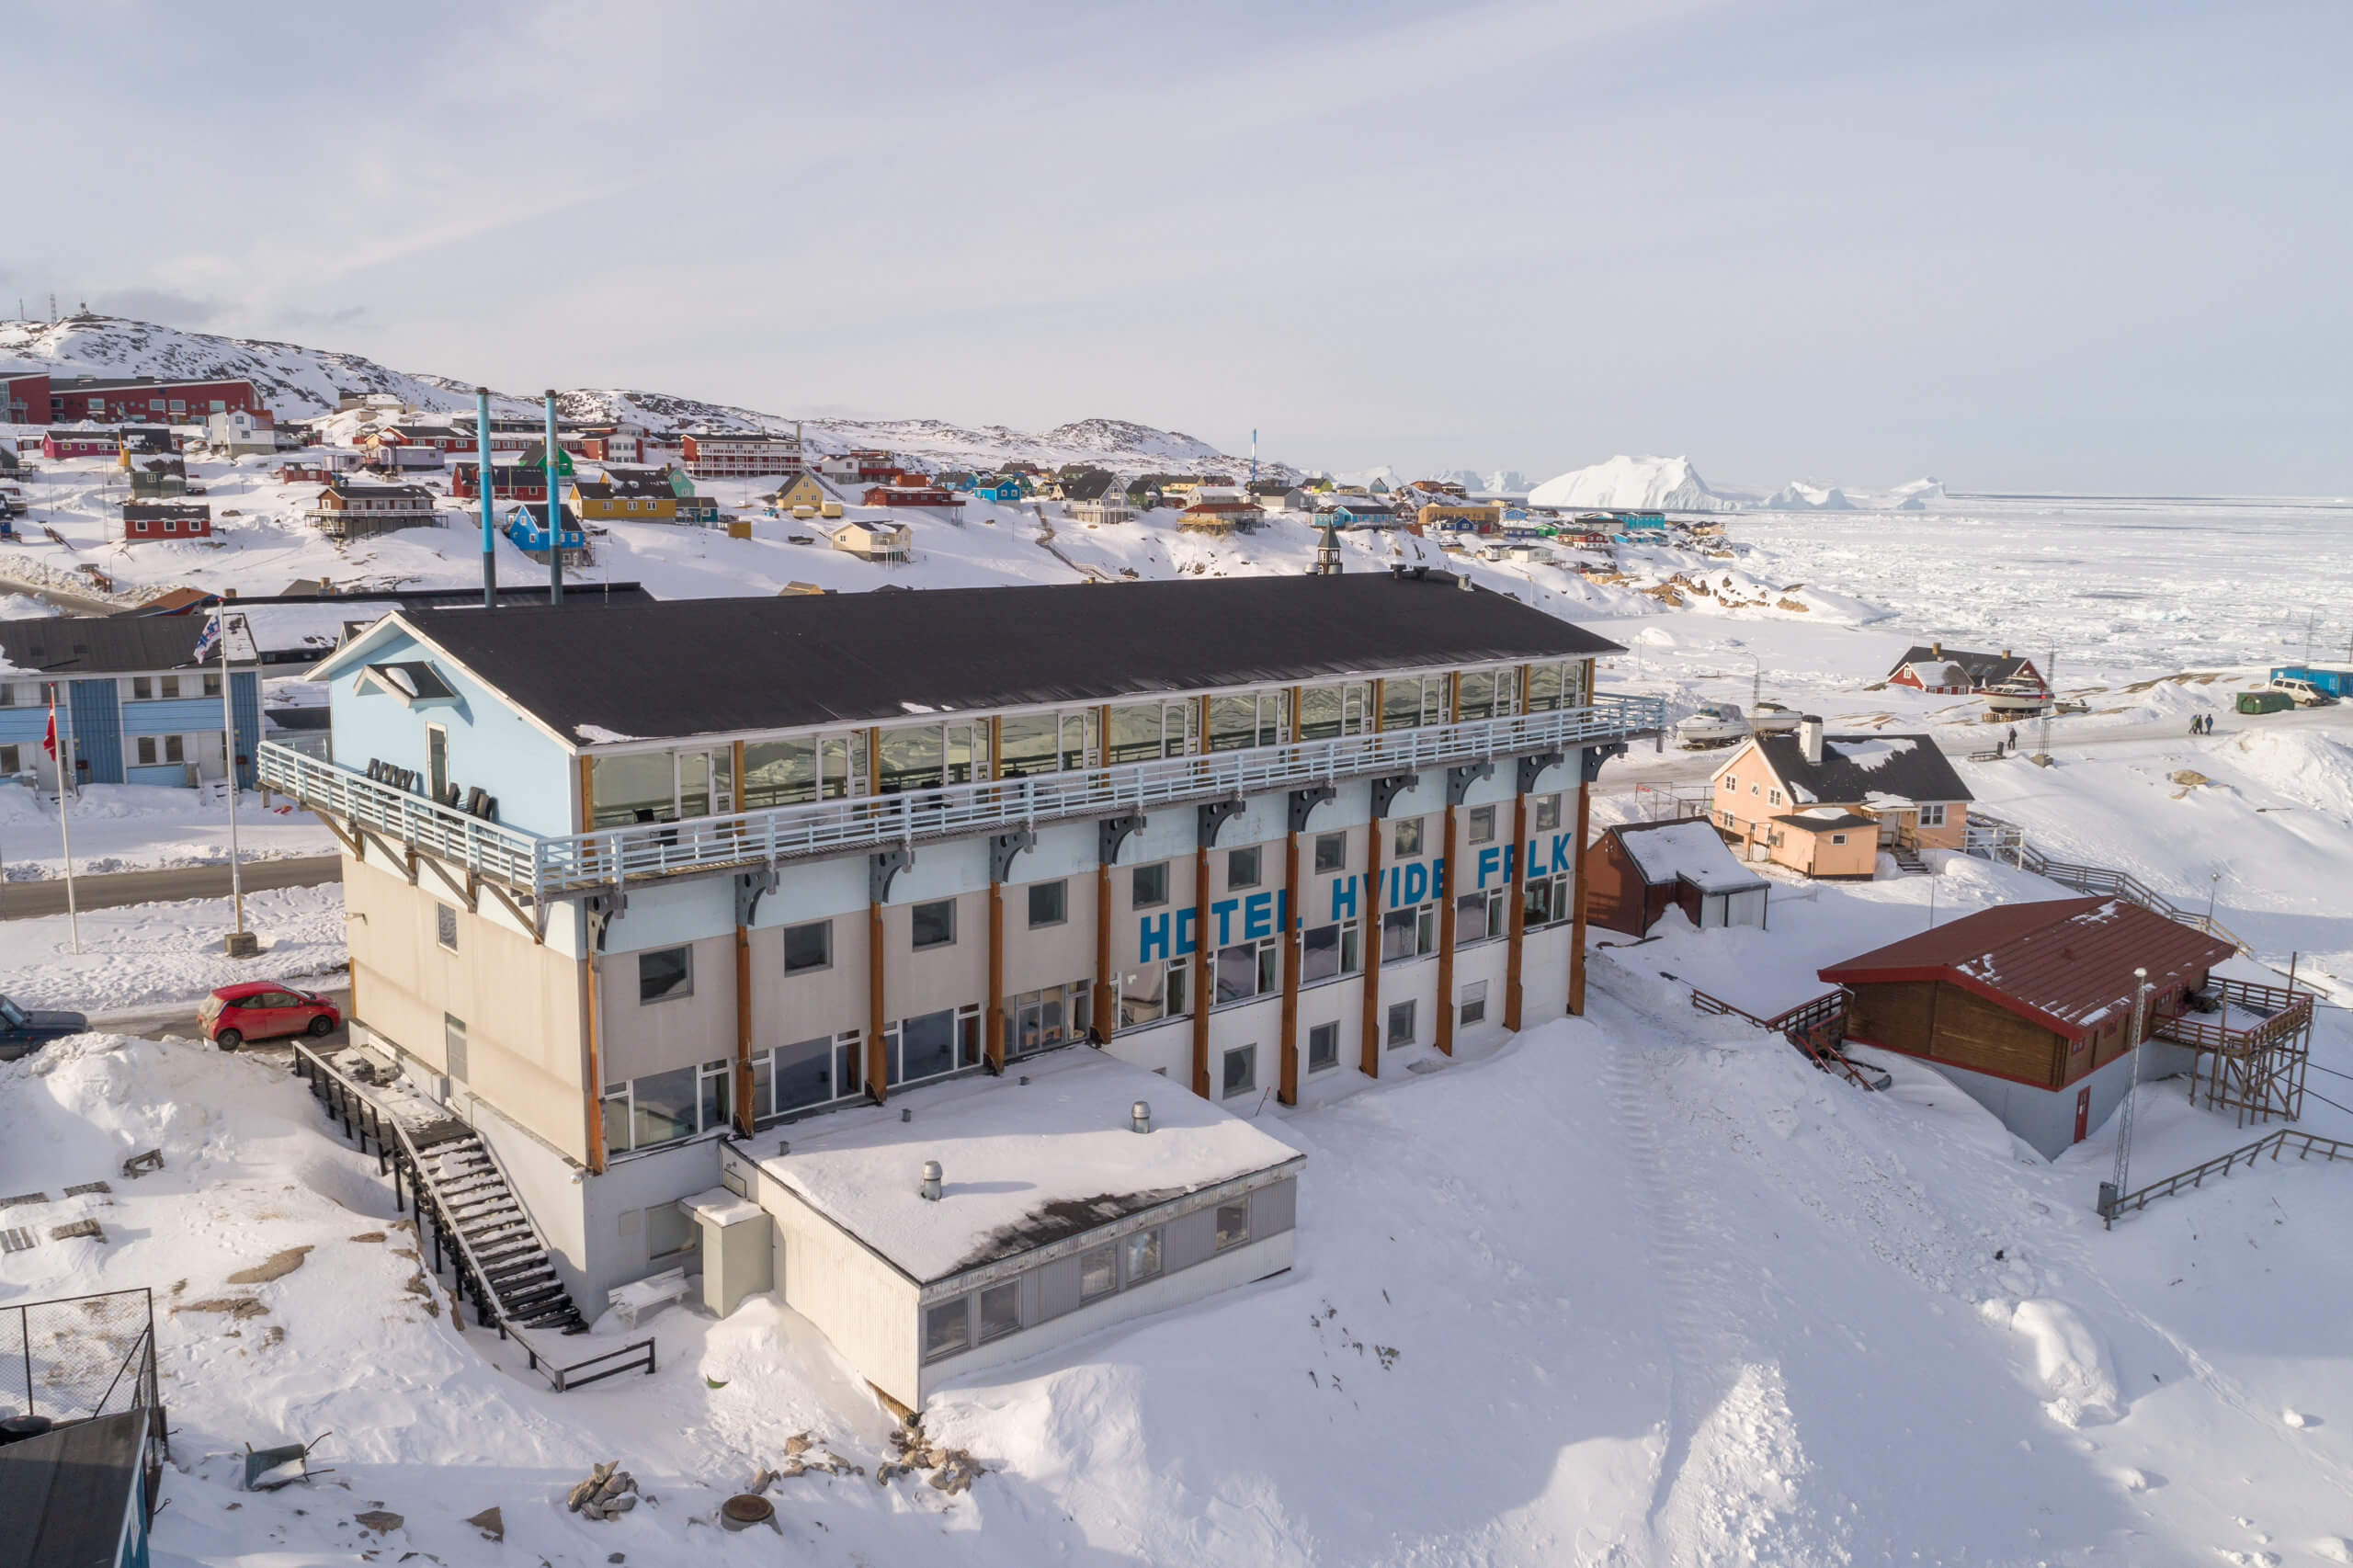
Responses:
[24,1030]
[264,1009]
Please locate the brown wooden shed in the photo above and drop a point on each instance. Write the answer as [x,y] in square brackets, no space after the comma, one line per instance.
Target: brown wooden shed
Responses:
[1636,871]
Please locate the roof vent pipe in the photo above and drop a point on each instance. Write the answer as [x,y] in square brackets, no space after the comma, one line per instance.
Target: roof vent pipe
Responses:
[1139,1116]
[931,1181]
[1809,739]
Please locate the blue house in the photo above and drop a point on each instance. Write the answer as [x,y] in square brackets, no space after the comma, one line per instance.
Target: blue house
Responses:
[1001,487]
[527,528]
[133,704]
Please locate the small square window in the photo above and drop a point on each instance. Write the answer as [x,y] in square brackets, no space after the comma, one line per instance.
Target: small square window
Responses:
[1837,838]
[1241,1070]
[1142,1254]
[947,1327]
[1409,838]
[1048,904]
[935,924]
[1000,1310]
[1401,1024]
[1474,1002]
[1233,1224]
[809,946]
[142,688]
[1242,868]
[1482,825]
[666,973]
[1331,852]
[1323,1047]
[1099,1272]
[1548,814]
[445,925]
[1149,885]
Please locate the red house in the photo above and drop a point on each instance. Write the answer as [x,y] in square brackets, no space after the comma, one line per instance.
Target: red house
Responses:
[80,444]
[1957,672]
[902,494]
[24,398]
[145,522]
[506,484]
[126,398]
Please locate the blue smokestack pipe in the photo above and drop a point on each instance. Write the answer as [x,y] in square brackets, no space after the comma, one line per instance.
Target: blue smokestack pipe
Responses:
[489,546]
[555,553]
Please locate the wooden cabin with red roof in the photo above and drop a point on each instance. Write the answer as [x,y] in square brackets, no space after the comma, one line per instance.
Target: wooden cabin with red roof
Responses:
[2027,1007]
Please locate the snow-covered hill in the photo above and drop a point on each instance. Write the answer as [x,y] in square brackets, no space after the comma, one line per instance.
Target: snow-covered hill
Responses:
[299,383]
[1671,484]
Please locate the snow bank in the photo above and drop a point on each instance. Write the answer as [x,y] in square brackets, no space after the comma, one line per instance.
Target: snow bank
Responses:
[1664,483]
[160,955]
[2303,764]
[2071,1359]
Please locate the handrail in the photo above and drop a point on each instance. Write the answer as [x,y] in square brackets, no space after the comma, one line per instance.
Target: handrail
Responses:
[2010,843]
[2112,1206]
[553,865]
[1811,1026]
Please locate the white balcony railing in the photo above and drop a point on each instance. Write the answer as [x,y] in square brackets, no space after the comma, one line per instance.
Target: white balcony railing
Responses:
[550,866]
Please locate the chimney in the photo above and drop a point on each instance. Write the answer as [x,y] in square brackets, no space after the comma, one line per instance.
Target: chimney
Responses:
[931,1181]
[2005,653]
[1810,738]
[1935,650]
[1139,1116]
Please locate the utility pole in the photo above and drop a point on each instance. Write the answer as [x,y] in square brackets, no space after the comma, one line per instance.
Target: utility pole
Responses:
[2113,1190]
[489,529]
[2051,686]
[60,751]
[241,943]
[555,543]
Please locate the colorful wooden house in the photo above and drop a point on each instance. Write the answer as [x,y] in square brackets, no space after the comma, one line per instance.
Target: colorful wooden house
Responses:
[527,529]
[1825,805]
[625,495]
[1958,672]
[149,522]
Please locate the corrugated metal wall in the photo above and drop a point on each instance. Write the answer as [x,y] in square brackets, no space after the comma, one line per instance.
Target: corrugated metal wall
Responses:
[98,732]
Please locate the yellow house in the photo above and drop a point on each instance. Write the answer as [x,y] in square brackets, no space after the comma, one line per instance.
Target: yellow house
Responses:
[802,489]
[1825,805]
[1476,517]
[625,496]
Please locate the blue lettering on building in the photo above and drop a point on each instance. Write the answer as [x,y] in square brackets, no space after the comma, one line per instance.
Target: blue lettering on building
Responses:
[1343,897]
[1491,860]
[1257,916]
[1223,909]
[1416,880]
[1151,938]
[1187,937]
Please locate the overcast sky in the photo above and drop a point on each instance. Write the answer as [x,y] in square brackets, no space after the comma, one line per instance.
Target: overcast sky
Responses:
[2016,245]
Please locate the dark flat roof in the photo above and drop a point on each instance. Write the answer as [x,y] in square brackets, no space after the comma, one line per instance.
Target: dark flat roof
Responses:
[81,647]
[715,667]
[64,1495]
[2066,963]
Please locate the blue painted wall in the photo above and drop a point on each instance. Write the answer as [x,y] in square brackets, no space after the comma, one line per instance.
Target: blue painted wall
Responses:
[491,746]
[98,734]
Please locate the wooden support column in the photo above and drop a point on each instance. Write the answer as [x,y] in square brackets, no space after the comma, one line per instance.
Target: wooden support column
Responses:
[594,1063]
[1106,1001]
[992,1022]
[743,1110]
[1286,1089]
[1576,925]
[1518,901]
[1368,1054]
[1442,873]
[878,1050]
[1201,970]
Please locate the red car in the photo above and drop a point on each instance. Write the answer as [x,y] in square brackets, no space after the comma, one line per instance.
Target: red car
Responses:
[264,1009]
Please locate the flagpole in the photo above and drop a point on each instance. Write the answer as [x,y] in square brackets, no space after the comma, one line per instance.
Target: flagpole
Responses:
[62,753]
[240,943]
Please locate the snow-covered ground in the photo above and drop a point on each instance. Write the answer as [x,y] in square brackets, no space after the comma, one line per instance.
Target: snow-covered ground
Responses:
[140,827]
[144,957]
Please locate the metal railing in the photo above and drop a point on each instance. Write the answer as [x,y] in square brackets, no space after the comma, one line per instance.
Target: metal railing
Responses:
[2286,1013]
[1991,838]
[1817,1028]
[2113,1205]
[606,857]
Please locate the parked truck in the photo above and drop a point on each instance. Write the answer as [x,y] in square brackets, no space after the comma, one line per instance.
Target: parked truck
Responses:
[2312,687]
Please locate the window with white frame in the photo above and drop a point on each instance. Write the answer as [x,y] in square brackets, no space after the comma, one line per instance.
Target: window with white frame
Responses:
[662,1108]
[1548,900]
[1932,816]
[1401,1024]
[1323,1047]
[1241,1071]
[806,1073]
[1474,1002]
[1154,991]
[1548,814]
[1479,916]
[931,1044]
[154,750]
[1328,952]
[1248,969]
[1331,853]
[1050,1015]
[1408,933]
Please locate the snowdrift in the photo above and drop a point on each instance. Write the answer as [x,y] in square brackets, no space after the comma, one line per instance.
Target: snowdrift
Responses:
[1662,483]
[2302,764]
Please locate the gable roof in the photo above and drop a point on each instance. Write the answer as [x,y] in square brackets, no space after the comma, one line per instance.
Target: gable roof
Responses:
[1690,849]
[2066,963]
[86,646]
[1984,669]
[720,666]
[1856,767]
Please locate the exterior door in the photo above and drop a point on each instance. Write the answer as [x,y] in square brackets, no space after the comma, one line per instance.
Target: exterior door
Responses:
[211,756]
[436,762]
[2083,1112]
[1889,823]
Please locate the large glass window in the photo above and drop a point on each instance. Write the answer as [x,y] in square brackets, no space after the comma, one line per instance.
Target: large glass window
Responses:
[1027,744]
[1239,723]
[1099,1272]
[1143,732]
[927,1046]
[1329,951]
[1000,1310]
[1152,992]
[1408,933]
[1046,1017]
[780,772]
[1248,969]
[947,1327]
[662,1108]
[631,788]
[912,759]
[1327,712]
[1409,701]
[793,1077]
[1141,1255]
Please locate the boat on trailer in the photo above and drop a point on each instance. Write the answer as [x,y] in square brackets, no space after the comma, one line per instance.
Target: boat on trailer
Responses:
[2013,698]
[1773,719]
[1714,724]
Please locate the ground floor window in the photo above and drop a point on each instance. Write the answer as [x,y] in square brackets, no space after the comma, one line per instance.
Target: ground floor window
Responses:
[1249,969]
[1932,816]
[932,1043]
[10,760]
[1328,952]
[1474,1002]
[1241,1070]
[1037,1020]
[662,1108]
[1401,1024]
[806,1073]
[1141,1257]
[1233,1224]
[153,750]
[947,1327]
[1000,1310]
[1099,1272]
[1323,1047]
[1154,991]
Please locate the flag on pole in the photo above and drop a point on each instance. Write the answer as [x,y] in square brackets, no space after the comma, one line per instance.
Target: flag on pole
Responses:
[204,644]
[49,741]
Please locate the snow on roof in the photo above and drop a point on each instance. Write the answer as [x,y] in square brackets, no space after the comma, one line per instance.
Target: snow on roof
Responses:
[1691,850]
[1023,1163]
[1868,754]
